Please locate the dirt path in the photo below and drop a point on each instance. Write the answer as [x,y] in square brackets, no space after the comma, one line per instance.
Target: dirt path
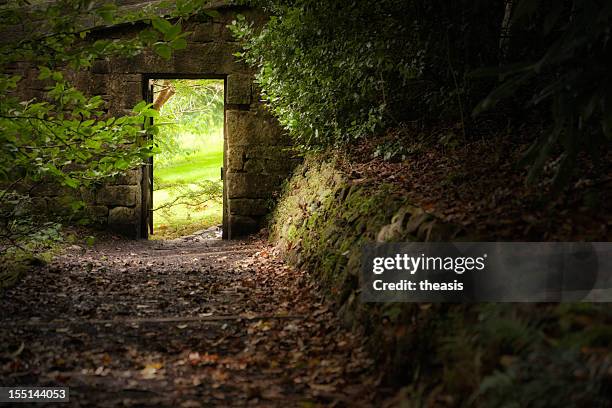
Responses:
[186,323]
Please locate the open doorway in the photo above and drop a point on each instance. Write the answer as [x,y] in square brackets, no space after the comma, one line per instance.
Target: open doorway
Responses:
[187,190]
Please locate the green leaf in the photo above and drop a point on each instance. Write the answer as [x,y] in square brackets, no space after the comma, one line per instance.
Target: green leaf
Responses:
[163,50]
[162,25]
[121,164]
[45,73]
[150,113]
[93,144]
[100,45]
[172,32]
[212,13]
[148,36]
[179,44]
[77,205]
[107,12]
[70,182]
[139,107]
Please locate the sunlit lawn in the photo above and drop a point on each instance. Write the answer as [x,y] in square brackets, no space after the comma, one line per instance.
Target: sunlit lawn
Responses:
[203,165]
[182,220]
[190,138]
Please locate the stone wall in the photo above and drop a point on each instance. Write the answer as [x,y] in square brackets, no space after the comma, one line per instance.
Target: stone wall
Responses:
[257,153]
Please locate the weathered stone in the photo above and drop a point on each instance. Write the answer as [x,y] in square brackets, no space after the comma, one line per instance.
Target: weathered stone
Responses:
[255,158]
[60,205]
[245,185]
[126,196]
[123,215]
[261,159]
[87,195]
[247,128]
[214,58]
[239,89]
[241,225]
[100,67]
[97,86]
[125,221]
[48,189]
[126,91]
[98,213]
[205,32]
[255,165]
[129,177]
[248,206]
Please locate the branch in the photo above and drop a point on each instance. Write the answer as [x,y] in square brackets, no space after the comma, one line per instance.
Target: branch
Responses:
[164,95]
[176,202]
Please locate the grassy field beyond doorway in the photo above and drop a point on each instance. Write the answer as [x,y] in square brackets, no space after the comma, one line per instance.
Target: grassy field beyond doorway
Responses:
[187,193]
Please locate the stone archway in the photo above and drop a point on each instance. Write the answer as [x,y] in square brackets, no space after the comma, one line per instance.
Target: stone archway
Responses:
[256,158]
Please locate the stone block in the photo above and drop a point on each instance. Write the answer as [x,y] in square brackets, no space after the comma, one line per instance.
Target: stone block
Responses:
[239,89]
[48,189]
[131,231]
[125,91]
[262,159]
[123,215]
[126,196]
[97,86]
[240,225]
[98,213]
[205,32]
[248,206]
[247,128]
[245,185]
[129,177]
[254,165]
[101,66]
[59,205]
[87,195]
[213,58]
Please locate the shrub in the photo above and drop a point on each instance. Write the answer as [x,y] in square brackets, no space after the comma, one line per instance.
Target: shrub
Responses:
[333,72]
[336,71]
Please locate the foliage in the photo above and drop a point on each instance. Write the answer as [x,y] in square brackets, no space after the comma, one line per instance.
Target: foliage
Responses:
[188,191]
[544,363]
[184,208]
[18,231]
[336,71]
[485,355]
[205,191]
[565,69]
[22,240]
[65,136]
[195,110]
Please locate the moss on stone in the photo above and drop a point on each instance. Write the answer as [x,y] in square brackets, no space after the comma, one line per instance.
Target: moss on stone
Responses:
[321,222]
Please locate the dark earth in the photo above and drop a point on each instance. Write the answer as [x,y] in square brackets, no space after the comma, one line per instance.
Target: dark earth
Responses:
[190,322]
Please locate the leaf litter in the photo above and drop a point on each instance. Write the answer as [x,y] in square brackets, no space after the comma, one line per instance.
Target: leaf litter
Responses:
[203,323]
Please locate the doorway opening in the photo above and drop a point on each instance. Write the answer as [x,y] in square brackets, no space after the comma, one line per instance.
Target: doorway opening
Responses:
[187,186]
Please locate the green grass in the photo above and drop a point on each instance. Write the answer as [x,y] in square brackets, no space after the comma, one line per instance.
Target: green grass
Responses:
[183,220]
[204,165]
[191,138]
